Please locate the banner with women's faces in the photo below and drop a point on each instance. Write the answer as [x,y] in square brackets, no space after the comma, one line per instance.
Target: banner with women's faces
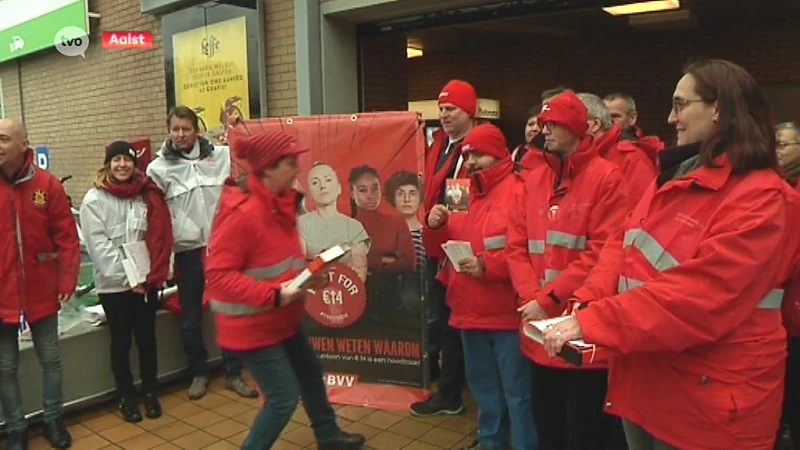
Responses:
[362,185]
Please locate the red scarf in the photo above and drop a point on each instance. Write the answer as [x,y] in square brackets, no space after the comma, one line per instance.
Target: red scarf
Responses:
[158,237]
[285,203]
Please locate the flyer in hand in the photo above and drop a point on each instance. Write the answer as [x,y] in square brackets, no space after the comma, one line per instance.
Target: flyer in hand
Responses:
[577,351]
[319,265]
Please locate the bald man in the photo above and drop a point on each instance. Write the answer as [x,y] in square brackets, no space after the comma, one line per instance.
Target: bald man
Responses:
[39,260]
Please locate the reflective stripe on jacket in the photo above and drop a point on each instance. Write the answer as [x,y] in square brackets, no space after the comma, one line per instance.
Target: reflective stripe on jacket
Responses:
[697,321]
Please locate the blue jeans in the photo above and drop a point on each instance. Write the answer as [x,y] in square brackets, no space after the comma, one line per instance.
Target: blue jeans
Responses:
[45,341]
[499,377]
[284,373]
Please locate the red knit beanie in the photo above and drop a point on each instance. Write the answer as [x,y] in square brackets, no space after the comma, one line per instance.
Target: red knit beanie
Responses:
[461,94]
[487,139]
[263,150]
[567,110]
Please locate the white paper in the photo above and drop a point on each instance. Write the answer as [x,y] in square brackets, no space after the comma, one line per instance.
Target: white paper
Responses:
[327,257]
[136,261]
[457,251]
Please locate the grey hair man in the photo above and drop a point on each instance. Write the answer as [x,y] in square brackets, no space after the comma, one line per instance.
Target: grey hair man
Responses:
[787,146]
[622,108]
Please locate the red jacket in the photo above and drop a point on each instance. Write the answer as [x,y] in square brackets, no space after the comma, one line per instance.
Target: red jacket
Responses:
[555,234]
[791,299]
[389,236]
[698,322]
[253,248]
[40,251]
[434,179]
[489,302]
[636,159]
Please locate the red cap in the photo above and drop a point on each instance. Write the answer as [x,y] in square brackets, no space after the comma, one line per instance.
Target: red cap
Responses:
[567,110]
[487,139]
[263,150]
[461,94]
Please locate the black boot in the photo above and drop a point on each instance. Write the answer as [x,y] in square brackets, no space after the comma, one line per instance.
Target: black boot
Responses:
[129,409]
[17,440]
[152,407]
[344,441]
[57,434]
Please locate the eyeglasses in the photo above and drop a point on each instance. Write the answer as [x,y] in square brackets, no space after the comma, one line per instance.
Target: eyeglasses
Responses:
[550,126]
[782,145]
[678,104]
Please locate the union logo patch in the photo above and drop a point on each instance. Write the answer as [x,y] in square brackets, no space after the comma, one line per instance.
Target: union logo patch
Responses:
[39,197]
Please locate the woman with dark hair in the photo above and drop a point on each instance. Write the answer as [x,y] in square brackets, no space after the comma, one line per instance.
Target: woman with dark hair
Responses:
[403,191]
[687,293]
[392,250]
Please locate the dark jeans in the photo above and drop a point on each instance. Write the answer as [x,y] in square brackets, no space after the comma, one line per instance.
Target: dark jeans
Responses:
[129,314]
[45,341]
[190,280]
[452,378]
[286,372]
[568,410]
[791,399]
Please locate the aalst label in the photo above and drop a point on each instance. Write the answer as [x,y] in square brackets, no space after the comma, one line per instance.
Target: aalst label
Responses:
[127,39]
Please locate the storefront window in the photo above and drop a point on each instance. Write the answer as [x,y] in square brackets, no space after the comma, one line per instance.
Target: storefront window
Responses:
[212,62]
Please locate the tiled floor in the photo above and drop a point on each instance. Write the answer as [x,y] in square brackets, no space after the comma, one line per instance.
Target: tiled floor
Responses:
[221,420]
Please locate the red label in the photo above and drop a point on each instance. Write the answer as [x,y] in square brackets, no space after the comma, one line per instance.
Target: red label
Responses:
[342,302]
[127,39]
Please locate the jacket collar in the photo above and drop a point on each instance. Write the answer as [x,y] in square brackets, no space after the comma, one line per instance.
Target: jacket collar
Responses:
[485,180]
[712,178]
[169,151]
[25,171]
[576,161]
[607,140]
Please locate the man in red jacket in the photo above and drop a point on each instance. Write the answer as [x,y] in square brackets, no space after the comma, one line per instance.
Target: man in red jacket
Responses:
[566,212]
[457,107]
[40,261]
[253,255]
[636,160]
[480,294]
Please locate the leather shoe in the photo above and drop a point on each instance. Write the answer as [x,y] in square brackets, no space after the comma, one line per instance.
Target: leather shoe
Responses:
[57,435]
[152,407]
[344,441]
[130,410]
[17,440]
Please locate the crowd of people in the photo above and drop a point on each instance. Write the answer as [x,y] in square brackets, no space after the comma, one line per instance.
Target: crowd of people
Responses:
[678,260]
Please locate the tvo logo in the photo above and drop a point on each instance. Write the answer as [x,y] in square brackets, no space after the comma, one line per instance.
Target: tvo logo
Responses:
[71,41]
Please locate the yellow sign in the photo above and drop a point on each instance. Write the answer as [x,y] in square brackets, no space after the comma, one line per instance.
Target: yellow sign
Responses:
[211,72]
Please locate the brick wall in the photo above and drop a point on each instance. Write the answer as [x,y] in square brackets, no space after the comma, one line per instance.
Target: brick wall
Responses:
[75,106]
[280,55]
[647,66]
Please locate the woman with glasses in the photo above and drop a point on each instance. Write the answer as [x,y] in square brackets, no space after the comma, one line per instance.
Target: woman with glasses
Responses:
[688,292]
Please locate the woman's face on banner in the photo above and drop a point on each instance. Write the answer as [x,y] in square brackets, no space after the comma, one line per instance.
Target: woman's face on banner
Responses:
[367,192]
[323,185]
[406,199]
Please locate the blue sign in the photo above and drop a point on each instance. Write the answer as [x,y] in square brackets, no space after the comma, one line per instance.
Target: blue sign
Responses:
[43,157]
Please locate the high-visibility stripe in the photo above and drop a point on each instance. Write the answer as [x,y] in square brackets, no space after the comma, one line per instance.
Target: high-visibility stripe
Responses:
[258,273]
[566,240]
[263,273]
[536,247]
[773,300]
[494,242]
[549,275]
[650,248]
[235,309]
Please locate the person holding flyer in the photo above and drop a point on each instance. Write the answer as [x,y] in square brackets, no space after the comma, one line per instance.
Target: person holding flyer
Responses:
[481,296]
[253,255]
[125,208]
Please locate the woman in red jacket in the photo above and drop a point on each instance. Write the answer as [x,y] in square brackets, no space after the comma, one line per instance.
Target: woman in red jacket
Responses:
[694,311]
[253,253]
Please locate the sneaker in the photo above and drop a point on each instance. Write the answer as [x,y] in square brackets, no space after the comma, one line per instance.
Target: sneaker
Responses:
[241,387]
[435,406]
[199,388]
[344,441]
[57,435]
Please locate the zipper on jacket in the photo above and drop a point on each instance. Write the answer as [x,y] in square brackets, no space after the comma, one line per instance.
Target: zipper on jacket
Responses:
[21,255]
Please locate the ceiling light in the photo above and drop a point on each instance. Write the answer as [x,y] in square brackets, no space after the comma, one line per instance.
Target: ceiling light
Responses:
[412,52]
[642,7]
